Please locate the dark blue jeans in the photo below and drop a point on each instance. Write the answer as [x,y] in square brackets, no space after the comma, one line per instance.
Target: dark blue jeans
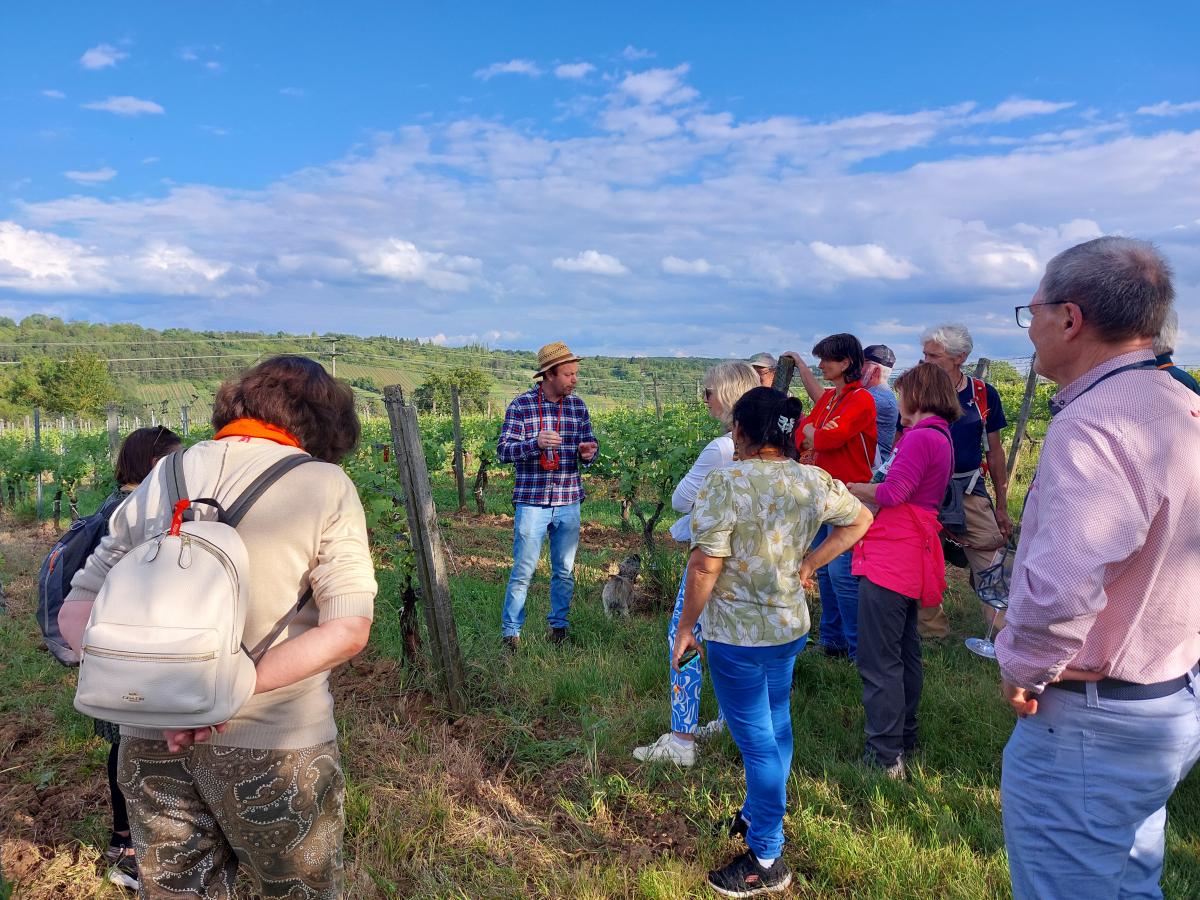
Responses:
[839,601]
[754,687]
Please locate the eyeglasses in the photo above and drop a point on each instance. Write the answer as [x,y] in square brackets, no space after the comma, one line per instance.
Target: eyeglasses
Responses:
[1025,313]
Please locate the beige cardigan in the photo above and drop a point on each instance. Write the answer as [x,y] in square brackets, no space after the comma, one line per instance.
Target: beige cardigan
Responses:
[307,528]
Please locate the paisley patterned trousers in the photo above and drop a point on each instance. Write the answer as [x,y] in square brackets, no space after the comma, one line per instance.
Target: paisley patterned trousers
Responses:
[199,815]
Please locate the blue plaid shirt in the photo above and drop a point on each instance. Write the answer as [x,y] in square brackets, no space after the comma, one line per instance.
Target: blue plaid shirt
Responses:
[518,444]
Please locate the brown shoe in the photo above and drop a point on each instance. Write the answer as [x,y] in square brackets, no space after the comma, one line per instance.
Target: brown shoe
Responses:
[511,643]
[557,636]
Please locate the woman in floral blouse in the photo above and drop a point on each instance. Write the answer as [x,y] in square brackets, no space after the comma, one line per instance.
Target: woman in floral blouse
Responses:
[751,524]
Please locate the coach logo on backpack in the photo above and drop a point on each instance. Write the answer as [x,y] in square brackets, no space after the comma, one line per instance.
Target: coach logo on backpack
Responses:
[133,697]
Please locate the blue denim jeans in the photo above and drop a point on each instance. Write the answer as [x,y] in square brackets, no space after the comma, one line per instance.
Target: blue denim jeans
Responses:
[839,601]
[531,525]
[754,687]
[1084,792]
[686,683]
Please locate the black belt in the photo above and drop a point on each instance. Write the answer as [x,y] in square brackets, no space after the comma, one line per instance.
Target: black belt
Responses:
[1115,689]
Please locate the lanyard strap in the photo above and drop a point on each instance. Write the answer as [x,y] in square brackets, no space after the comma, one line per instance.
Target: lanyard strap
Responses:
[1145,364]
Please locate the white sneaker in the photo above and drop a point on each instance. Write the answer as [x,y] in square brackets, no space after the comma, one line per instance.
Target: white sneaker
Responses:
[710,730]
[667,749]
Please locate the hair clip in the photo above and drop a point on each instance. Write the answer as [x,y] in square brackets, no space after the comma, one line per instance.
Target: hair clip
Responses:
[786,425]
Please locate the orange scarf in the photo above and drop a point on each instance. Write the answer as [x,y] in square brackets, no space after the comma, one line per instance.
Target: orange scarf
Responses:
[254,428]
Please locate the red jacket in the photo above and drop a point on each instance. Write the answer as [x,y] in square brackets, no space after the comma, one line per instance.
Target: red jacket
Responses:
[844,440]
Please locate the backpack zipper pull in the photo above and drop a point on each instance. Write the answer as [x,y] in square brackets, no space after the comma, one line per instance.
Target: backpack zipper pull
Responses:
[185,553]
[153,552]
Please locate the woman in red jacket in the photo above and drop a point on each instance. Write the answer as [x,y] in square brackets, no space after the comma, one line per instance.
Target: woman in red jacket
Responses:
[840,434]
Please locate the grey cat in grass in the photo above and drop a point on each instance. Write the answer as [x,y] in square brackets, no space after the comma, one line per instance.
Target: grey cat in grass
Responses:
[618,590]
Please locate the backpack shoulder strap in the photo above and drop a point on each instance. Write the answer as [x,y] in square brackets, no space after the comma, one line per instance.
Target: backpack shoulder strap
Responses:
[176,483]
[981,400]
[238,509]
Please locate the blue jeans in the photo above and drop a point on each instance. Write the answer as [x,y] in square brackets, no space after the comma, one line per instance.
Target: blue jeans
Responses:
[754,687]
[1084,791]
[839,601]
[531,524]
[686,683]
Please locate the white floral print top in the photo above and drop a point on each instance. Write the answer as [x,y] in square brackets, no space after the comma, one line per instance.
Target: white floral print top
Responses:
[761,516]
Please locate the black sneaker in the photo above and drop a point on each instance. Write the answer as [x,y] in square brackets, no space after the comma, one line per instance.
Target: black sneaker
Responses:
[731,826]
[557,636]
[118,846]
[836,652]
[744,877]
[125,873]
[510,643]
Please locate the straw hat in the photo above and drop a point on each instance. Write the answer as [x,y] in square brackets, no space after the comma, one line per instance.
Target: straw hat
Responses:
[553,354]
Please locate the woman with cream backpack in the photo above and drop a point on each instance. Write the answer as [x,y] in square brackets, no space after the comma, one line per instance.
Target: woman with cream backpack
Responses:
[268,781]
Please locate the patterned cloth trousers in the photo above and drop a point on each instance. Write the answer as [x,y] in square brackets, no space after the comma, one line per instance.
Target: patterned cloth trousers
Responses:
[199,815]
[686,683]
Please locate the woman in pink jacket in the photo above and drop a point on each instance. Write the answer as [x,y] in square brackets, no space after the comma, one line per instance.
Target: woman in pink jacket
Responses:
[900,565]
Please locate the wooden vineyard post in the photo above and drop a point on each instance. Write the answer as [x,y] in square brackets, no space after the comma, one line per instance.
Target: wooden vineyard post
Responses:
[1014,451]
[657,403]
[114,432]
[785,369]
[37,445]
[429,554]
[460,477]
[981,368]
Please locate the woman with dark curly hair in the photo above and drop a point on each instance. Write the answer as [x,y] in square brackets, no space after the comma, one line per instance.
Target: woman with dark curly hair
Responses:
[264,791]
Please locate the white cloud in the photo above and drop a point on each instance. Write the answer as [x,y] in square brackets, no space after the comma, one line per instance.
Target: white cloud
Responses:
[215,130]
[93,177]
[291,92]
[864,261]
[574,70]
[512,67]
[1017,108]
[658,86]
[36,262]
[127,106]
[1169,109]
[101,56]
[149,160]
[401,260]
[592,262]
[674,265]
[54,95]
[633,54]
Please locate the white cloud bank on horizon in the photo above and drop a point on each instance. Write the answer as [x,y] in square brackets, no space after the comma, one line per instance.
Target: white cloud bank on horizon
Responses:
[719,233]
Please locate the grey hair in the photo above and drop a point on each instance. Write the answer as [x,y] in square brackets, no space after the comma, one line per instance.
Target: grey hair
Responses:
[728,381]
[1122,285]
[953,337]
[1168,335]
[869,370]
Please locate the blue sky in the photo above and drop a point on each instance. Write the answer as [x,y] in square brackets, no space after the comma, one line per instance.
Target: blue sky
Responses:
[655,178]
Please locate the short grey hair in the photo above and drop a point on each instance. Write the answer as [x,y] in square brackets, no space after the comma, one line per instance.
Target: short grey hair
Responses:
[728,381]
[1122,285]
[1168,335]
[953,337]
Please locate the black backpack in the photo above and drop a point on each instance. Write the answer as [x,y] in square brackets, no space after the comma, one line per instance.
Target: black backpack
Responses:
[60,566]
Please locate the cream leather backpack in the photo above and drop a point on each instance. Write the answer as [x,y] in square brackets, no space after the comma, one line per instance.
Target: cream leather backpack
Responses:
[163,645]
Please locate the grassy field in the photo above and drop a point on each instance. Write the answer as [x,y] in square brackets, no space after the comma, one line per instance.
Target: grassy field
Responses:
[534,793]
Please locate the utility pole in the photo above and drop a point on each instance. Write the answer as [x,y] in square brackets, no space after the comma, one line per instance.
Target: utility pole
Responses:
[333,360]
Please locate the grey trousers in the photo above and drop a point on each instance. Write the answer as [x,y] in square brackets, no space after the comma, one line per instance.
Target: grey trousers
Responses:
[889,662]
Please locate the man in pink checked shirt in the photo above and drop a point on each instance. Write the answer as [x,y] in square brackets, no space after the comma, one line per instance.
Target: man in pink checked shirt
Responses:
[1099,656]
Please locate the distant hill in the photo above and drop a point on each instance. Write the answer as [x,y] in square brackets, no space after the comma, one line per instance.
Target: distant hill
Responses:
[161,371]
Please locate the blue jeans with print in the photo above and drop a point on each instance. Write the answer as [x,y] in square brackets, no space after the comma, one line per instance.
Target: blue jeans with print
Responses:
[839,601]
[1084,790]
[531,525]
[685,684]
[754,687]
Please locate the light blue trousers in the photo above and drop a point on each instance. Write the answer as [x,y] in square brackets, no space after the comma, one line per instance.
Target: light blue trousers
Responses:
[531,525]
[1084,792]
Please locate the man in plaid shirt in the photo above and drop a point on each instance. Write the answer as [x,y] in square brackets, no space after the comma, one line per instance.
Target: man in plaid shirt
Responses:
[547,434]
